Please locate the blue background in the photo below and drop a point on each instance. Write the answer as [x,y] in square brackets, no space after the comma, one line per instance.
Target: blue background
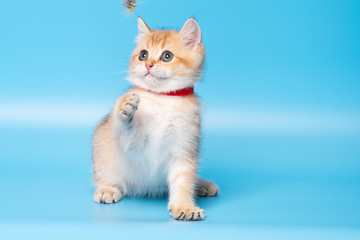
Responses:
[281,99]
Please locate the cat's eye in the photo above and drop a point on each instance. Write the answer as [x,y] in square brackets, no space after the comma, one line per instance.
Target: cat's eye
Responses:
[167,56]
[143,55]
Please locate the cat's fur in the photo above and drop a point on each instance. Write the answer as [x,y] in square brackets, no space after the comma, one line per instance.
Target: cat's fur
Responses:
[149,144]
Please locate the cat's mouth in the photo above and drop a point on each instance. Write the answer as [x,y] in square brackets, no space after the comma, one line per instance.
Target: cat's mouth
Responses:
[150,75]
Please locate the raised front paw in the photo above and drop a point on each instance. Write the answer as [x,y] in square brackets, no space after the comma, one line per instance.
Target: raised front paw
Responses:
[107,195]
[187,213]
[128,105]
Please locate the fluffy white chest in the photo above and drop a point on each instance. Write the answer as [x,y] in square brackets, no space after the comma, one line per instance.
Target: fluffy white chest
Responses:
[160,132]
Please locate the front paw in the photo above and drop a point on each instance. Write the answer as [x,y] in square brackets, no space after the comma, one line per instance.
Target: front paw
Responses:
[187,213]
[128,105]
[107,195]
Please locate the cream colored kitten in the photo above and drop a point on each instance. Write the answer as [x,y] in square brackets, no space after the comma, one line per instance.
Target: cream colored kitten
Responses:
[149,144]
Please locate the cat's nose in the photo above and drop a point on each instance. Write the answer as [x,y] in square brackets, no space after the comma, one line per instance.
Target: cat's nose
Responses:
[149,65]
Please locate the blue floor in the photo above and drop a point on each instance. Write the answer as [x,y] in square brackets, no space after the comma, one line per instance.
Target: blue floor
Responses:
[272,187]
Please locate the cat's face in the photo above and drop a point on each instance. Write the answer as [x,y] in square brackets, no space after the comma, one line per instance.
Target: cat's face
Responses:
[165,61]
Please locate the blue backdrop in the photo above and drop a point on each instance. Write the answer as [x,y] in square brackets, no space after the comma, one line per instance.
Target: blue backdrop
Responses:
[281,99]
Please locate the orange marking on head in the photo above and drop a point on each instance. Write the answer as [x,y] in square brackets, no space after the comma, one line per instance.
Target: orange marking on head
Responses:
[158,41]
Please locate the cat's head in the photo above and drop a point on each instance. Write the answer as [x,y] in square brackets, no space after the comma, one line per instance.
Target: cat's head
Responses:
[165,61]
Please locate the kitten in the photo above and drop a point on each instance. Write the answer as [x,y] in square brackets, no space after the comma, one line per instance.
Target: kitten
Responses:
[149,144]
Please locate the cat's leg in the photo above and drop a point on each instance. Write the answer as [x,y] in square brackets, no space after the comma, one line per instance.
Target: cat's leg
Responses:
[106,167]
[205,188]
[107,159]
[182,177]
[106,172]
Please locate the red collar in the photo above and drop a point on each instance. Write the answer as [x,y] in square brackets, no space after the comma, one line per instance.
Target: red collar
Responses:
[180,93]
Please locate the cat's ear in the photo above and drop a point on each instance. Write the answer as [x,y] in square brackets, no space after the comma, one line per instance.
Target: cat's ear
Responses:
[190,33]
[143,28]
